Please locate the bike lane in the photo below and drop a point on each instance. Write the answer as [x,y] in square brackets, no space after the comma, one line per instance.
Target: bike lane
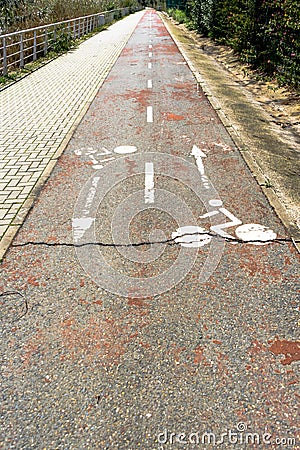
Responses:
[123,344]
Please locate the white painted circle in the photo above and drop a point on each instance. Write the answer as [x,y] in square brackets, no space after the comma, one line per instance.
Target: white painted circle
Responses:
[123,149]
[187,236]
[215,202]
[255,232]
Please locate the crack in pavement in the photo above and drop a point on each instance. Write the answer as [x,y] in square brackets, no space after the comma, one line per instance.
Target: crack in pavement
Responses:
[171,241]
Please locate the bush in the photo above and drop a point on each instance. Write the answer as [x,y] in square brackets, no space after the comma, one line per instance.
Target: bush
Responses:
[265,33]
[178,15]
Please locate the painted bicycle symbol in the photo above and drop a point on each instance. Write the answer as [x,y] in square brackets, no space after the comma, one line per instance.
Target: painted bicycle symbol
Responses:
[253,233]
[194,236]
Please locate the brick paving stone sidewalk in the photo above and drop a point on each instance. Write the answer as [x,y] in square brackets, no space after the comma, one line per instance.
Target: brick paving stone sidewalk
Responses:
[39,113]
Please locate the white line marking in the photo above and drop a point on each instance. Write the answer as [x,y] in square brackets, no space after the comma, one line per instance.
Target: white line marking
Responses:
[150,45]
[94,161]
[90,196]
[149,65]
[149,114]
[149,84]
[106,160]
[149,183]
[150,54]
[219,228]
[209,214]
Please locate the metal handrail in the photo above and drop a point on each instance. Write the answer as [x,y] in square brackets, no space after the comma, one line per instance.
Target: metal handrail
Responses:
[32,43]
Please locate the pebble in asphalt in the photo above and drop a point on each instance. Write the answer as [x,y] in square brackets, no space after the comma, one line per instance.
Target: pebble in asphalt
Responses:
[92,359]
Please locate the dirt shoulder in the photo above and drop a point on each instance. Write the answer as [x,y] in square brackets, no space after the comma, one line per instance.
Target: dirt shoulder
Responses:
[264,121]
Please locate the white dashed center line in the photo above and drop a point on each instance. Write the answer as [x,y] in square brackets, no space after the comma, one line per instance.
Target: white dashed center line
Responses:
[149,84]
[149,65]
[149,183]
[150,54]
[149,114]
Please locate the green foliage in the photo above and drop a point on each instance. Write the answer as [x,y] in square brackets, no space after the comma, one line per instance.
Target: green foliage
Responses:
[21,14]
[63,42]
[266,33]
[177,15]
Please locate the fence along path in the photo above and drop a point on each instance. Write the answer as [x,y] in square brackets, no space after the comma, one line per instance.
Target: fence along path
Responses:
[38,113]
[21,47]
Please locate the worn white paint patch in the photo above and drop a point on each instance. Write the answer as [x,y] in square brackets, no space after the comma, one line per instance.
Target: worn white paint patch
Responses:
[80,225]
[224,147]
[123,149]
[149,114]
[149,84]
[149,65]
[149,183]
[198,155]
[191,236]
[97,166]
[255,232]
[78,152]
[150,54]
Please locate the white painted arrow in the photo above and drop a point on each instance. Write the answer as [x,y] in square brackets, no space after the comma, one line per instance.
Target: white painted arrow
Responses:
[199,154]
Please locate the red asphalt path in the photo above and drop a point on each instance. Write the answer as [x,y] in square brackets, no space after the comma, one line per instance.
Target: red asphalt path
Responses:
[168,346]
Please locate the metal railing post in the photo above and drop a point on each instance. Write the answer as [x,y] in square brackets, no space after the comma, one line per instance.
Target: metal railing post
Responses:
[34,46]
[45,41]
[21,51]
[4,57]
[101,20]
[41,38]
